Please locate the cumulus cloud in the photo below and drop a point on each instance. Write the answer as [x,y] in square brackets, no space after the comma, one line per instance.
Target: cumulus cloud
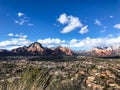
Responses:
[97,22]
[10,34]
[71,21]
[51,42]
[17,40]
[88,42]
[117,26]
[63,18]
[73,41]
[84,29]
[22,19]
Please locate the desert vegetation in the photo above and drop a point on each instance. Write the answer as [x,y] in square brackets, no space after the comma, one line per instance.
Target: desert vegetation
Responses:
[80,73]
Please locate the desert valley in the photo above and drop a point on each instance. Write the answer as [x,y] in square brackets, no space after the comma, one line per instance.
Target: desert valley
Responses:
[38,68]
[59,44]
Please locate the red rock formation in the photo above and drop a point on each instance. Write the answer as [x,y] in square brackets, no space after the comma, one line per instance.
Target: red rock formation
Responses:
[66,50]
[106,51]
[37,49]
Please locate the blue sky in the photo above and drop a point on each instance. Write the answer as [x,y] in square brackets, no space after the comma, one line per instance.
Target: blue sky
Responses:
[78,24]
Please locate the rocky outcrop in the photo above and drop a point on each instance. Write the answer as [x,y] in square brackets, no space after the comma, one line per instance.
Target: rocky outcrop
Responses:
[66,50]
[102,52]
[61,50]
[36,47]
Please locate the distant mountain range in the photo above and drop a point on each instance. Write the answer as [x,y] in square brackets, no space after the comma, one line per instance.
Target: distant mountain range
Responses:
[37,49]
[113,50]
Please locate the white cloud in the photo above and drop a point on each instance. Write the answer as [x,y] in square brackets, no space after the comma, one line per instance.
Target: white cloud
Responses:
[10,34]
[17,35]
[111,16]
[86,43]
[20,14]
[73,41]
[72,23]
[97,22]
[84,30]
[63,18]
[89,43]
[117,26]
[18,41]
[23,19]
[51,42]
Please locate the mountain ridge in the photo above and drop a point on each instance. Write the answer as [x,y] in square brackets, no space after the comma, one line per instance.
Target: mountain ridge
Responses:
[110,51]
[37,49]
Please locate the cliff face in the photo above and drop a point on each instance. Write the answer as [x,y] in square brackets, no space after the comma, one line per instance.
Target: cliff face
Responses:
[102,52]
[62,51]
[36,47]
[66,50]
